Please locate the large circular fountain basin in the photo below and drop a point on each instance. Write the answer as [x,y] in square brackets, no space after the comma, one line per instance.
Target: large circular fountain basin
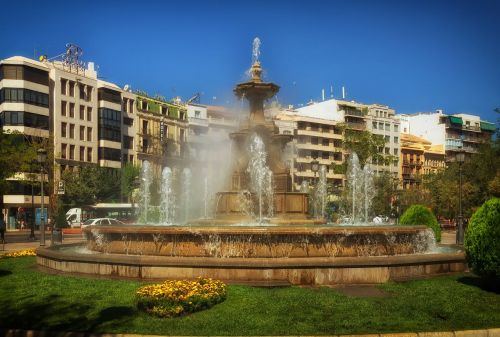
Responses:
[256,255]
[259,242]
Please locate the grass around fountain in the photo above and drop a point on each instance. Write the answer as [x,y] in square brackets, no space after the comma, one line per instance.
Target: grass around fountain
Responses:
[30,299]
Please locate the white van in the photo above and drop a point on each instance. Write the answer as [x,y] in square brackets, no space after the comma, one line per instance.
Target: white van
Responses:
[74,217]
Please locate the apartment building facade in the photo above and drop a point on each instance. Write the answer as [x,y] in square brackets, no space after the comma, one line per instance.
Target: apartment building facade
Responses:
[457,132]
[162,132]
[24,108]
[419,158]
[84,121]
[314,139]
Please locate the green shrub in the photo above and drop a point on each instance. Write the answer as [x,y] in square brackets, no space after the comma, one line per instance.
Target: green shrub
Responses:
[482,240]
[417,215]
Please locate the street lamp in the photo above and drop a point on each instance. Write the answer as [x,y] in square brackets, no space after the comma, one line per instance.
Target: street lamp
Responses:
[41,158]
[460,158]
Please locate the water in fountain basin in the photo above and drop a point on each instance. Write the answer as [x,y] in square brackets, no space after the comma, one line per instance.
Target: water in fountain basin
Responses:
[360,192]
[320,194]
[167,201]
[145,195]
[186,192]
[260,178]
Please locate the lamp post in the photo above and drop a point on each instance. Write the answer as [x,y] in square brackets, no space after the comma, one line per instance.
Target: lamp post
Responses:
[41,158]
[460,158]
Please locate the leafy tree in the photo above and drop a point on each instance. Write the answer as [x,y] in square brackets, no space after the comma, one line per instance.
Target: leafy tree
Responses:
[91,184]
[365,144]
[16,154]
[129,175]
[385,188]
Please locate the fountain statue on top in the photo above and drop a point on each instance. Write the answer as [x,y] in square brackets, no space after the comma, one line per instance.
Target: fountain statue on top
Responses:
[260,188]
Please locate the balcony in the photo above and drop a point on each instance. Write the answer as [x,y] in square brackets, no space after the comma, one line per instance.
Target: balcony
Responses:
[317,147]
[356,126]
[198,121]
[412,163]
[324,134]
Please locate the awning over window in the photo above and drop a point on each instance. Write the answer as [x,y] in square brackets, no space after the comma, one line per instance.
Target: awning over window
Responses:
[456,120]
[487,126]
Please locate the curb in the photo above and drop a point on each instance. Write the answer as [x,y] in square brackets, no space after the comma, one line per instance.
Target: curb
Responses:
[495,332]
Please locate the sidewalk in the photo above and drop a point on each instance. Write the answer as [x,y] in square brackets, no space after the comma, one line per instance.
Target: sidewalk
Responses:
[13,246]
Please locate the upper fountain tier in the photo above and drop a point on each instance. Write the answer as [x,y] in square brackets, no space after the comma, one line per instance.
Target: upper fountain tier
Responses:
[256,92]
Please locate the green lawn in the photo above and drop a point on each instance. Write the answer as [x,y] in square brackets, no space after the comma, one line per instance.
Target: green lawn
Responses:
[30,299]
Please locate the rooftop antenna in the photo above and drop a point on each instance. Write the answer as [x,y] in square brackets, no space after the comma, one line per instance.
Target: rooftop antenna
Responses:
[331,91]
[343,92]
[322,94]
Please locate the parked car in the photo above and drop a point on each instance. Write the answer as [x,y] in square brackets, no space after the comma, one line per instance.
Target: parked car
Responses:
[102,222]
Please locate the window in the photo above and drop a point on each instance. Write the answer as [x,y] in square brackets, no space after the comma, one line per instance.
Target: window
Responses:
[128,142]
[82,132]
[72,131]
[72,88]
[105,94]
[83,92]
[109,125]
[64,83]
[82,112]
[396,128]
[20,95]
[72,152]
[381,126]
[325,155]
[82,153]
[21,72]
[63,108]
[131,106]
[326,142]
[89,134]
[197,113]
[72,110]
[182,115]
[106,153]
[88,97]
[387,127]
[124,105]
[63,151]
[22,118]
[396,140]
[374,124]
[63,130]
[128,121]
[89,154]
[395,152]
[314,140]
[89,113]
[387,139]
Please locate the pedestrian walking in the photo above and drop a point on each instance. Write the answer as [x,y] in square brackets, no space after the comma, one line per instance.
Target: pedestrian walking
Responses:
[2,229]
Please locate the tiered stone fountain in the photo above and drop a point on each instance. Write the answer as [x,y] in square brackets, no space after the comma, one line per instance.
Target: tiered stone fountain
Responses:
[283,245]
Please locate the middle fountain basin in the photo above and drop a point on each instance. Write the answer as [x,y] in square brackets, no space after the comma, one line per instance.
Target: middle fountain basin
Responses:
[260,242]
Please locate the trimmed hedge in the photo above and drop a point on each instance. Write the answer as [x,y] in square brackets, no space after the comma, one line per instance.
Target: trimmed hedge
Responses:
[418,215]
[482,240]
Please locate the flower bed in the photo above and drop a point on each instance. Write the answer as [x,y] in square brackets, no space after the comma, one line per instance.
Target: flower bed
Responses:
[19,253]
[174,298]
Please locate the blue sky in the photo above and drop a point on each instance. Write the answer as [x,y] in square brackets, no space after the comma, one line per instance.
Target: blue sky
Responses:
[411,55]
